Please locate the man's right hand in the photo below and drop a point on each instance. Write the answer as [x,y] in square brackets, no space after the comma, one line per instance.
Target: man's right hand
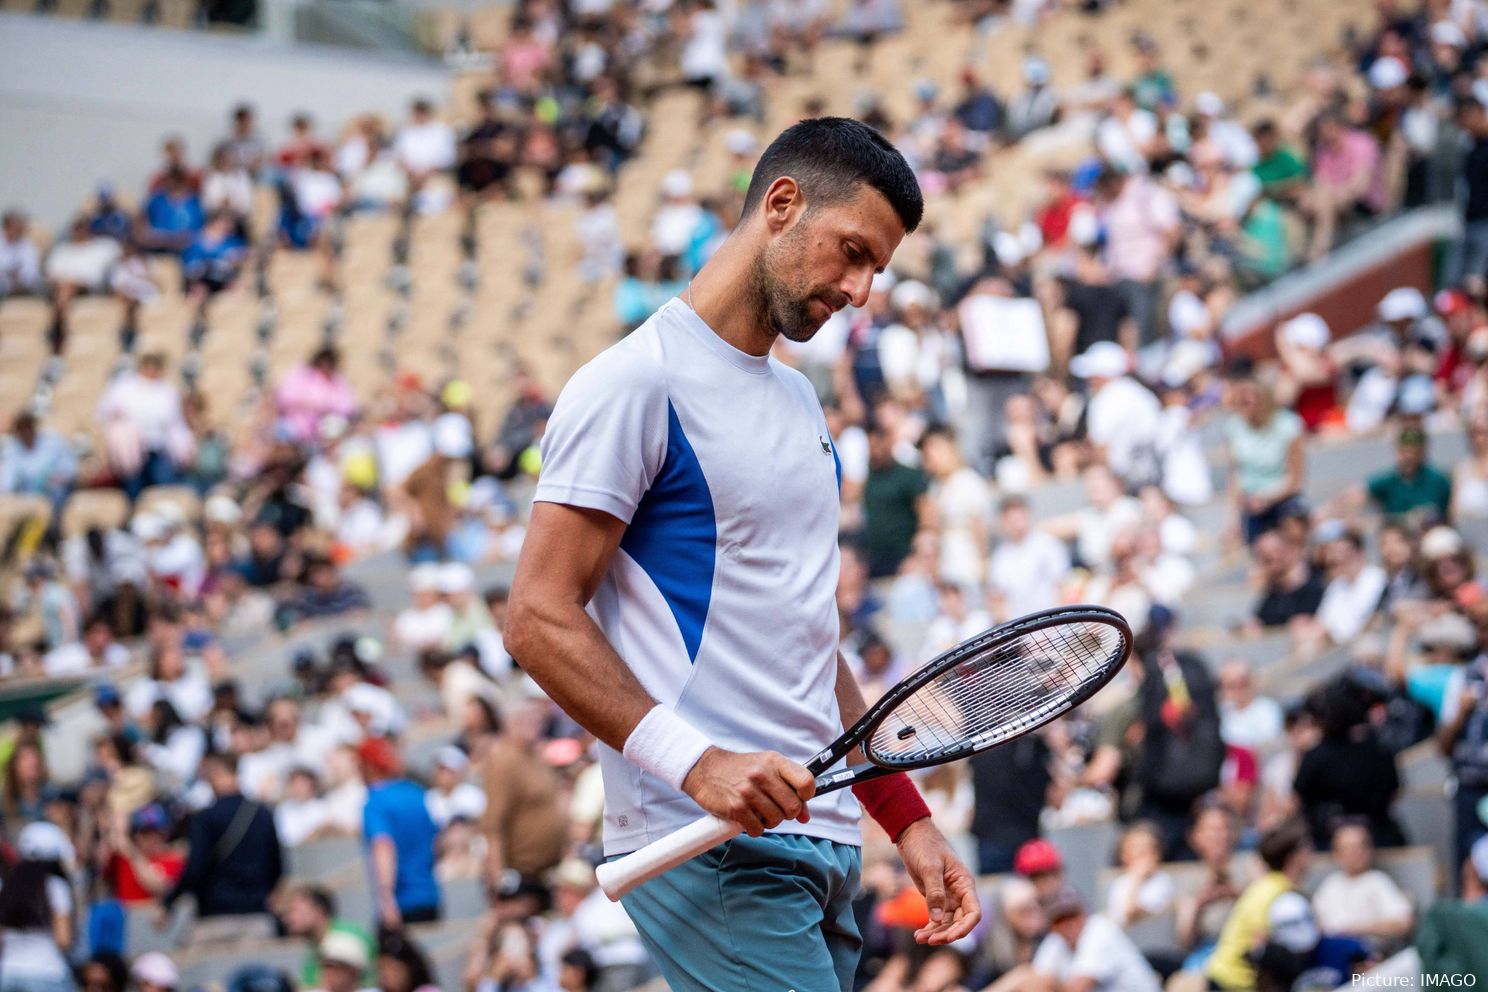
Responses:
[758,790]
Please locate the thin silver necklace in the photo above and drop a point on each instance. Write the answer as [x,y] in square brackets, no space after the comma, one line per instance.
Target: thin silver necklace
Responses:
[689,297]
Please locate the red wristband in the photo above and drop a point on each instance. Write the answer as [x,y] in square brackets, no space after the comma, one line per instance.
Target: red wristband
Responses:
[893,802]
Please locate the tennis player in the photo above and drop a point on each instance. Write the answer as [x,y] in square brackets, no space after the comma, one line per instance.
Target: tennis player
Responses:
[676,592]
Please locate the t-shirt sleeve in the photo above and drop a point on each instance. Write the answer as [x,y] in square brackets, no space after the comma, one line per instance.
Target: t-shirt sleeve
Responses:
[59,896]
[375,821]
[1093,953]
[607,437]
[1378,486]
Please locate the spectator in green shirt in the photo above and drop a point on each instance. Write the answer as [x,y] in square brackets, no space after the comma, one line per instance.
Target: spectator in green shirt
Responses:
[1279,169]
[894,504]
[310,913]
[1412,484]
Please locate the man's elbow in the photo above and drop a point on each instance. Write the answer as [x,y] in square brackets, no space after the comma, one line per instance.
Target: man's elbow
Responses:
[522,632]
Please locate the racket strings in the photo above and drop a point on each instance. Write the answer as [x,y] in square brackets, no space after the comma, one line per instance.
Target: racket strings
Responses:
[997,693]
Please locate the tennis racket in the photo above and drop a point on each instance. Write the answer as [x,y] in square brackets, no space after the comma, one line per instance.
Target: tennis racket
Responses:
[991,689]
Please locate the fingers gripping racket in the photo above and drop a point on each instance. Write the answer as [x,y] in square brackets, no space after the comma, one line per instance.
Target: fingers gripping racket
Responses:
[986,691]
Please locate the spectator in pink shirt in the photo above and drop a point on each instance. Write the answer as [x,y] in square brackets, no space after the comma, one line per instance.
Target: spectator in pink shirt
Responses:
[1143,225]
[525,58]
[1347,180]
[314,391]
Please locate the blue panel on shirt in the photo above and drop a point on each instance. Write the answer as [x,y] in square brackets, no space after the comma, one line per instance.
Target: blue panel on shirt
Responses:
[837,464]
[673,536]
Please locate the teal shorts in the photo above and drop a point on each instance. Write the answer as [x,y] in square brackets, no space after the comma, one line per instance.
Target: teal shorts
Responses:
[755,914]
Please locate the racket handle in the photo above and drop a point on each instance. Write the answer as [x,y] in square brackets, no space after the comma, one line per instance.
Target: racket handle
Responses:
[623,874]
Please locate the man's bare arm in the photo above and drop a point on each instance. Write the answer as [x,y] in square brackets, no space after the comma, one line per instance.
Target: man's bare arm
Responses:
[947,885]
[565,555]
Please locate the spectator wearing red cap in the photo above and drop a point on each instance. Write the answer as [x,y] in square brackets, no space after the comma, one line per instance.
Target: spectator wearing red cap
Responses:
[400,837]
[1040,863]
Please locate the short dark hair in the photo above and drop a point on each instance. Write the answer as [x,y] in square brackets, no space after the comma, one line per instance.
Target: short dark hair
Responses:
[225,760]
[829,158]
[1282,841]
[320,896]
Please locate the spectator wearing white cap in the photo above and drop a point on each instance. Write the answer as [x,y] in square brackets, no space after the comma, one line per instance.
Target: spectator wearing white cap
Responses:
[343,961]
[586,920]
[1307,381]
[675,224]
[1127,135]
[915,353]
[428,620]
[452,795]
[1035,106]
[36,905]
[468,614]
[1122,416]
[1230,135]
[154,971]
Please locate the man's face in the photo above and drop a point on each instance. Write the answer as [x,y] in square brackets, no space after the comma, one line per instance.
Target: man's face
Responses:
[1352,849]
[1015,521]
[283,720]
[302,918]
[1410,457]
[1273,556]
[822,260]
[339,977]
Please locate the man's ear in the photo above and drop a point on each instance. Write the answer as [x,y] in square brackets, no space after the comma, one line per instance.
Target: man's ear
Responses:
[783,204]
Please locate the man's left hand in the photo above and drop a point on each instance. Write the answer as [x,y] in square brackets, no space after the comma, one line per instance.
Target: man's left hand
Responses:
[946,883]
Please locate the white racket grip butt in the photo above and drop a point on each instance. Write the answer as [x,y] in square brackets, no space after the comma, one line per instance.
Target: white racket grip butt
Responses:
[618,877]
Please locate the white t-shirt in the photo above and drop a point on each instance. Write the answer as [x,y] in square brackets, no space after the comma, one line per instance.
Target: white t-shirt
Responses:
[1122,142]
[1349,603]
[673,226]
[1104,952]
[1257,726]
[297,820]
[426,147]
[721,598]
[418,629]
[1124,417]
[1098,528]
[316,191]
[231,191]
[1028,573]
[401,448]
[964,505]
[179,561]
[1154,897]
[705,52]
[33,954]
[74,659]
[86,263]
[466,799]
[1347,905]
[152,406]
[190,695]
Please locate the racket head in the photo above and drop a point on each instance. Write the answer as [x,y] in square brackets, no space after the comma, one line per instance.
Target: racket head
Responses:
[997,686]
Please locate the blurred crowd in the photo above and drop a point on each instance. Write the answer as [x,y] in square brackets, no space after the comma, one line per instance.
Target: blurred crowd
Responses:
[1080,355]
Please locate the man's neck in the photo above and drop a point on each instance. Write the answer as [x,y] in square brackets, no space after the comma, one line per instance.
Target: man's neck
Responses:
[722,292]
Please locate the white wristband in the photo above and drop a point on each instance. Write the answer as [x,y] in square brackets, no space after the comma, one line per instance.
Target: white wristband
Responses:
[665,745]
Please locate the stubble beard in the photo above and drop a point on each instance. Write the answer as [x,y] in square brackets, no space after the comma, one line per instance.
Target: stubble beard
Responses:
[784,310]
